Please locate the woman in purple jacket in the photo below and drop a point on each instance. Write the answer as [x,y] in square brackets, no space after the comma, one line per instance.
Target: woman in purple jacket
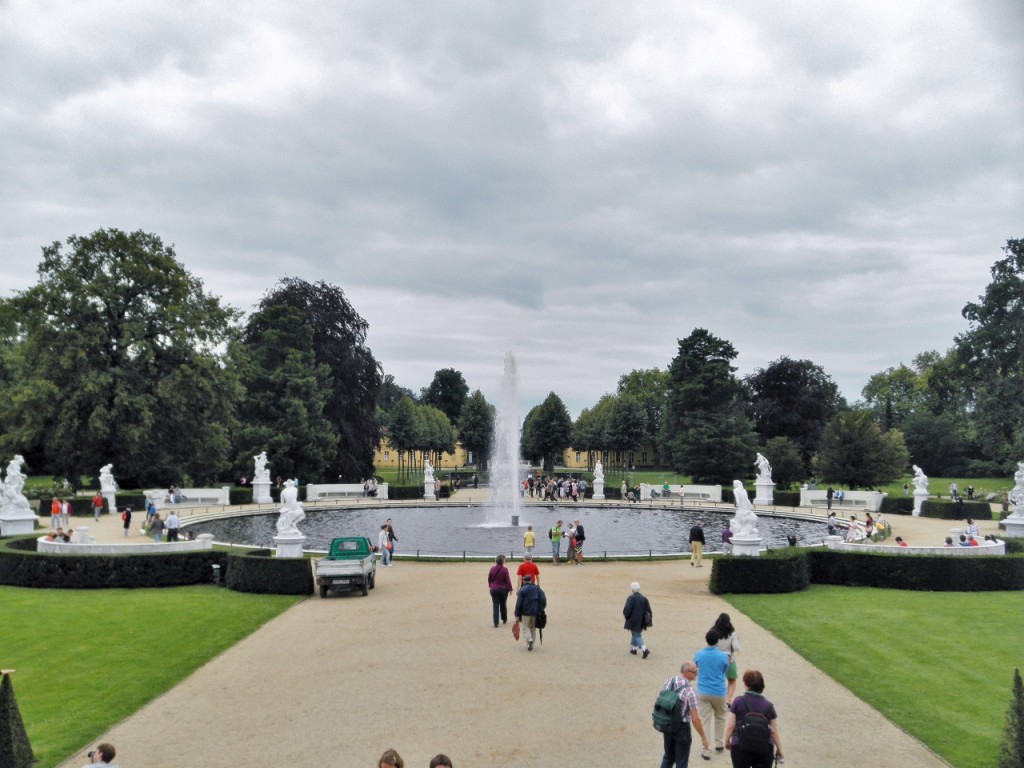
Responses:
[499,582]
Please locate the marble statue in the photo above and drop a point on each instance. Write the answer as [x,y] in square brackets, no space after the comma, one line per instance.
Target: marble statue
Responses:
[1016,496]
[599,470]
[107,482]
[764,469]
[12,500]
[291,513]
[744,524]
[920,480]
[262,473]
[428,473]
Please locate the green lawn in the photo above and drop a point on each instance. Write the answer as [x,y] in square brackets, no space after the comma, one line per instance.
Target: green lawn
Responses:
[87,659]
[940,665]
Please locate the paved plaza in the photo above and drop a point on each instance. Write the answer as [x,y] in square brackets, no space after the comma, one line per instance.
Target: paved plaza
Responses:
[418,666]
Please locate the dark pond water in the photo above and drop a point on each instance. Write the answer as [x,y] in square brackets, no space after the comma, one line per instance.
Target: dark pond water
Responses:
[458,530]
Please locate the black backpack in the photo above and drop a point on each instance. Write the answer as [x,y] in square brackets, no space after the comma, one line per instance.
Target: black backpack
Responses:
[753,731]
[667,716]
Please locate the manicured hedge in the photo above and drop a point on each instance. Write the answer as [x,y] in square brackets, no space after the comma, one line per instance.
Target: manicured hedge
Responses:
[780,570]
[786,498]
[897,505]
[22,566]
[776,572]
[947,510]
[258,571]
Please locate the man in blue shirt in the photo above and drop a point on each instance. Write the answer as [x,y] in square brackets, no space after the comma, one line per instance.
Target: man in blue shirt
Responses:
[712,664]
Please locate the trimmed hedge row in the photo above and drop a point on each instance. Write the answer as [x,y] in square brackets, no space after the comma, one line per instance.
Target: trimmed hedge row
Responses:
[947,510]
[779,570]
[897,505]
[790,570]
[22,566]
[258,571]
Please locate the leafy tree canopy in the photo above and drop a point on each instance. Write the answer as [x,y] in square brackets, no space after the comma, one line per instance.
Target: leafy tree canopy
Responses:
[547,431]
[476,427]
[856,452]
[117,362]
[448,391]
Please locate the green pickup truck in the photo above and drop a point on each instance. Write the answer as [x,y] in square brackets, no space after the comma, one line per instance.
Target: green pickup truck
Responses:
[350,564]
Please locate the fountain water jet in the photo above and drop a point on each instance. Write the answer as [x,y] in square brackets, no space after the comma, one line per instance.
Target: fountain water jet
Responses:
[504,463]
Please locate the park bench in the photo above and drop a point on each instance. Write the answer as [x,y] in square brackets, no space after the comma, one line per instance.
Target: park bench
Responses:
[190,497]
[320,491]
[870,501]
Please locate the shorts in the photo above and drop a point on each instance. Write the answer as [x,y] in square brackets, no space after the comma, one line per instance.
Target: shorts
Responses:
[731,673]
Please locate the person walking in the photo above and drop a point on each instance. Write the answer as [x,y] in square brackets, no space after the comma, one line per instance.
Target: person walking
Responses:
[677,743]
[126,520]
[384,545]
[697,545]
[172,524]
[767,747]
[829,494]
[499,582]
[530,602]
[97,505]
[529,540]
[639,617]
[528,568]
[712,664]
[579,536]
[729,642]
[156,528]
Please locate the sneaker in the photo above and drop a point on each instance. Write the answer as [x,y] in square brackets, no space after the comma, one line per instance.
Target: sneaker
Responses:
[633,651]
[529,645]
[647,652]
[719,749]
[706,754]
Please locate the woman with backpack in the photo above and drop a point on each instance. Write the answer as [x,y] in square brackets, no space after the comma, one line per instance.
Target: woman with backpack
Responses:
[729,643]
[751,728]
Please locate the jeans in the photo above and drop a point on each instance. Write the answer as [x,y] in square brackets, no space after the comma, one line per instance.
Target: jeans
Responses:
[499,605]
[677,748]
[637,640]
[556,549]
[385,556]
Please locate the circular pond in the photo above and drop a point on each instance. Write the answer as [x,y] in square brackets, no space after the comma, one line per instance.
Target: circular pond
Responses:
[472,531]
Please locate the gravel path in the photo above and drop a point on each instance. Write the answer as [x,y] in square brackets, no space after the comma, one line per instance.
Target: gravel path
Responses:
[418,666]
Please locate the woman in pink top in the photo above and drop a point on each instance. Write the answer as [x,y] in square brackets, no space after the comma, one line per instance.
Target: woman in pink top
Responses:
[499,582]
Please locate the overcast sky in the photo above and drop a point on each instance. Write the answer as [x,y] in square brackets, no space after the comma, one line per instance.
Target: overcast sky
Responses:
[580,183]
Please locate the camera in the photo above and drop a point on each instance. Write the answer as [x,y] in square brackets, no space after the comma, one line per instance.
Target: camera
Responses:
[91,754]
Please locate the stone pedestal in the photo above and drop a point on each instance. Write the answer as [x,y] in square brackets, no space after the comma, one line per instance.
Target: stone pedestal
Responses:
[832,541]
[920,497]
[749,546]
[111,499]
[289,544]
[765,492]
[261,492]
[17,522]
[599,490]
[1014,527]
[428,490]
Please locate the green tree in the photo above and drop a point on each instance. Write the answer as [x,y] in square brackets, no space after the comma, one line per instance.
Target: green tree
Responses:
[389,395]
[794,399]
[936,442]
[285,395]
[438,434]
[650,387]
[448,391]
[590,430]
[787,464]
[547,431]
[476,427]
[855,451]
[706,432]
[991,357]
[402,431]
[116,355]
[339,342]
[894,395]
[626,425]
[1011,753]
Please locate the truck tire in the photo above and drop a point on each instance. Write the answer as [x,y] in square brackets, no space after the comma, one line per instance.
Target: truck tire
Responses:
[323,591]
[366,589]
[373,581]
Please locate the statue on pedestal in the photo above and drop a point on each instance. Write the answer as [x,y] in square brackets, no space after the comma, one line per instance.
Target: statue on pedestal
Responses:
[262,473]
[744,525]
[764,469]
[107,482]
[1016,496]
[599,471]
[428,473]
[12,500]
[291,513]
[920,480]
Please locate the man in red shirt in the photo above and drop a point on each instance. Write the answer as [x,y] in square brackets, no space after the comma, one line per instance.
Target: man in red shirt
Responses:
[528,568]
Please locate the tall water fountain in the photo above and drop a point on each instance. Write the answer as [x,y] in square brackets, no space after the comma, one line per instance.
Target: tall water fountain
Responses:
[504,462]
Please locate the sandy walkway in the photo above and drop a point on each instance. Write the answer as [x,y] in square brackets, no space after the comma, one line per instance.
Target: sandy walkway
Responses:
[418,666]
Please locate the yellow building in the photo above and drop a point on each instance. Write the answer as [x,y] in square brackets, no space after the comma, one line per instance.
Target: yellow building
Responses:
[386,456]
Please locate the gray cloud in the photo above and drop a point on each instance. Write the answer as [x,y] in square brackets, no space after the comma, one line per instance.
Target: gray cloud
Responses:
[580,183]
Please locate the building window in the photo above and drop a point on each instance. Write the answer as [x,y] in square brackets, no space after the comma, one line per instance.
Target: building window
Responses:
[387,455]
[579,457]
[643,457]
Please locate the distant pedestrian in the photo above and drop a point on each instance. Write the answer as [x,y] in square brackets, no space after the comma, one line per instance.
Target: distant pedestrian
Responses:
[713,664]
[530,603]
[384,545]
[697,545]
[529,540]
[639,616]
[579,536]
[727,539]
[97,506]
[499,582]
[832,523]
[829,494]
[172,525]
[156,528]
[126,519]
[728,642]
[555,535]
[528,568]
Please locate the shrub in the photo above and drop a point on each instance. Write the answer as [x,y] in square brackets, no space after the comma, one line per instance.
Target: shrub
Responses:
[947,510]
[936,573]
[15,749]
[240,496]
[780,570]
[897,505]
[1011,754]
[783,498]
[256,571]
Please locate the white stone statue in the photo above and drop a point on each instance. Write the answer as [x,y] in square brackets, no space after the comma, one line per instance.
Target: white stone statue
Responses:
[12,501]
[920,480]
[262,473]
[764,469]
[744,524]
[1016,496]
[291,513]
[599,471]
[428,473]
[107,482]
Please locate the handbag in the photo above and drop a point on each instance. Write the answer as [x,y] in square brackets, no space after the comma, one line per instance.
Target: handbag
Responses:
[515,630]
[542,620]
